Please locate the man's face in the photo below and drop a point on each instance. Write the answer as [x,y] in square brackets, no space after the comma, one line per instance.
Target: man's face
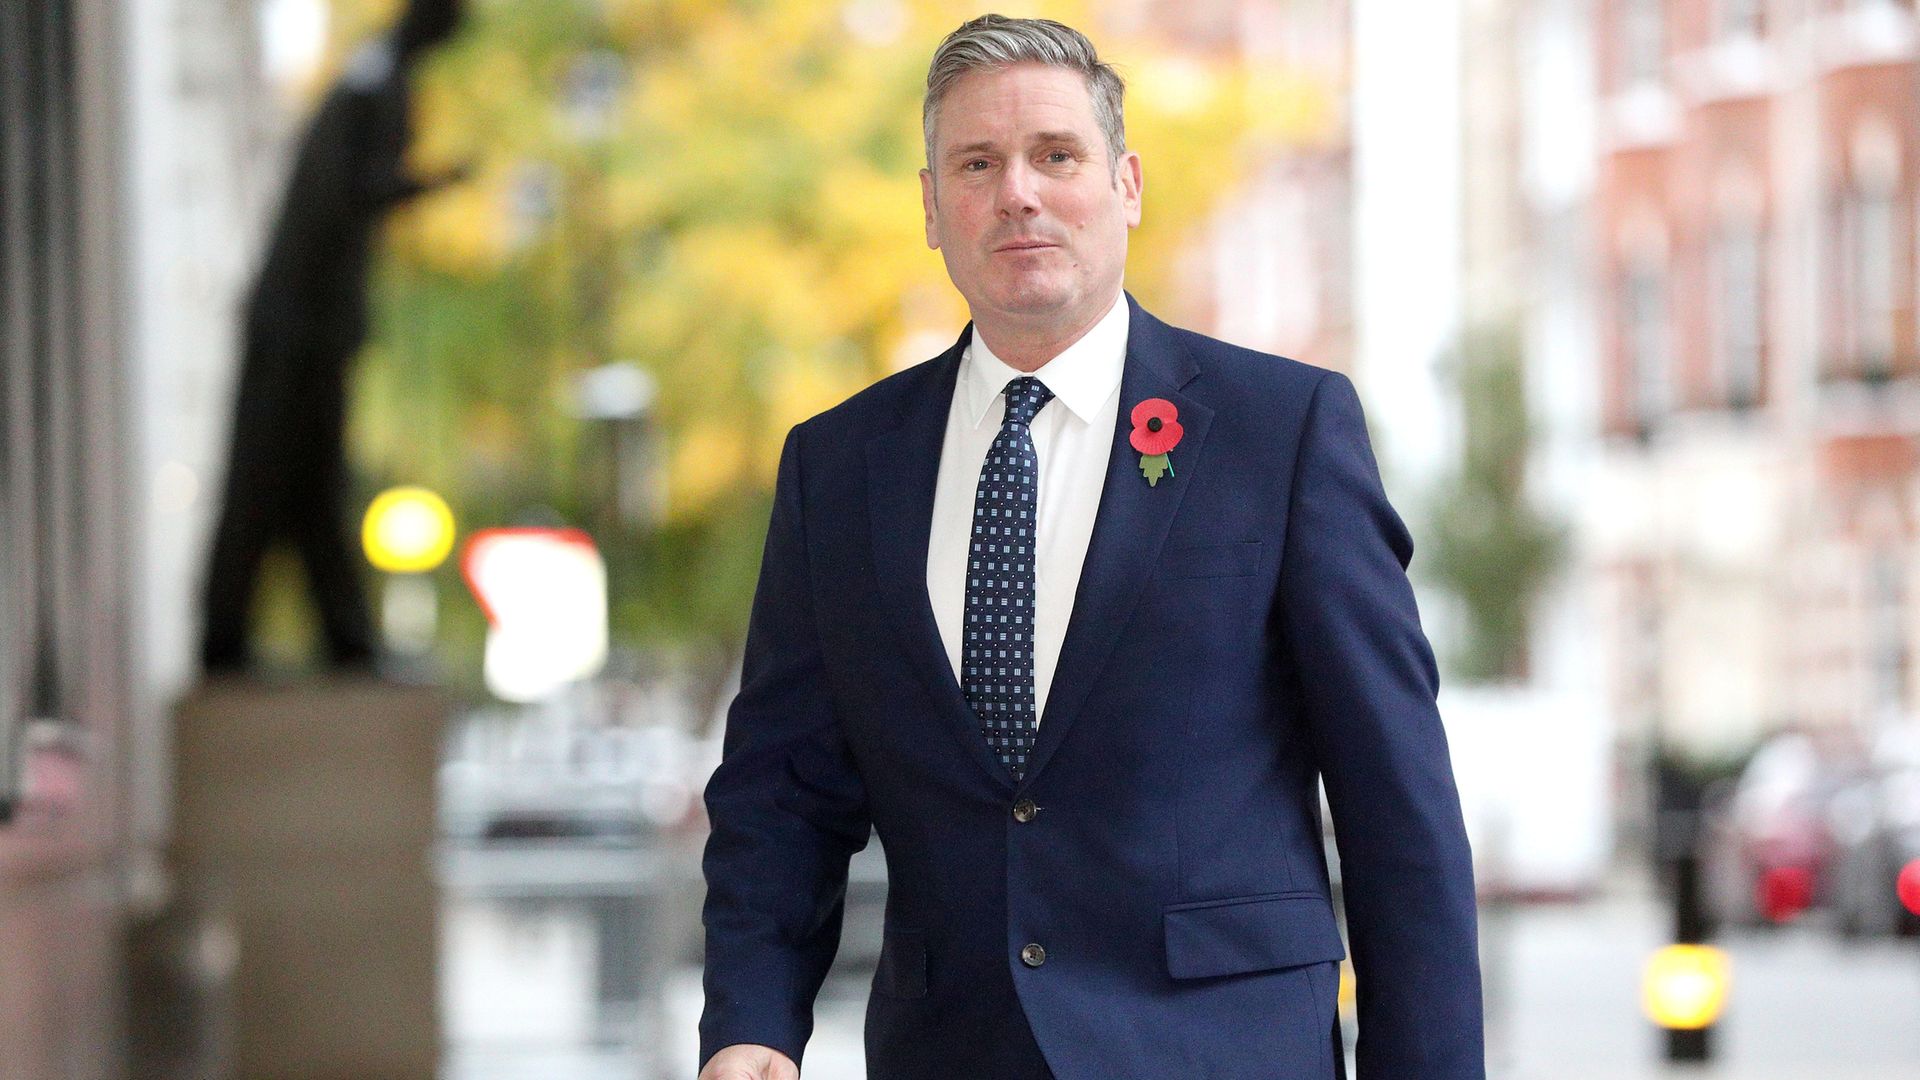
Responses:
[1022,201]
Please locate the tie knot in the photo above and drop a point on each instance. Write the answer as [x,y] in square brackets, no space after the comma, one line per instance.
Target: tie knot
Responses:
[1025,396]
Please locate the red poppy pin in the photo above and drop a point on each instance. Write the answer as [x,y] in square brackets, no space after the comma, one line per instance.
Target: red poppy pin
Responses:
[1156,430]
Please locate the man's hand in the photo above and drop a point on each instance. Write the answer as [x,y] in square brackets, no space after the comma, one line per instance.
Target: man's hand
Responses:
[750,1061]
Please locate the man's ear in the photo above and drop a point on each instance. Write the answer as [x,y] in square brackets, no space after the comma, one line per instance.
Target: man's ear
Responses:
[926,204]
[1131,183]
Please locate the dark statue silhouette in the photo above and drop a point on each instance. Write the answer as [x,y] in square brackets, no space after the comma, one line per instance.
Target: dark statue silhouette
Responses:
[305,320]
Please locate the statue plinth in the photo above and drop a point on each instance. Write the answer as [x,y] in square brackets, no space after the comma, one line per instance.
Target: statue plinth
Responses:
[306,812]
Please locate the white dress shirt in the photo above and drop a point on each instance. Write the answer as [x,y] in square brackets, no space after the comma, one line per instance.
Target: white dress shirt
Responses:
[1072,438]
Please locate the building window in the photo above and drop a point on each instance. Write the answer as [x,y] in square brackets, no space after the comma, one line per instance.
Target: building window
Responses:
[1739,312]
[1642,41]
[1886,633]
[1867,264]
[1644,342]
[1739,18]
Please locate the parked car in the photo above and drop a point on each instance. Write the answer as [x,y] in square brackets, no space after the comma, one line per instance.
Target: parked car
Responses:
[1767,849]
[515,775]
[1875,822]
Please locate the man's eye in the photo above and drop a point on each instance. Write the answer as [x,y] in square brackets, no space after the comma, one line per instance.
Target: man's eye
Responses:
[1059,155]
[976,161]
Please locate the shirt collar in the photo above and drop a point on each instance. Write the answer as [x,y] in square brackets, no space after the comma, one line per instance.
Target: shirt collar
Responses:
[1082,377]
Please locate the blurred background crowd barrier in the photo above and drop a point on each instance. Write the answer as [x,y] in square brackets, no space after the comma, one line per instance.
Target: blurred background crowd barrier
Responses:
[1630,290]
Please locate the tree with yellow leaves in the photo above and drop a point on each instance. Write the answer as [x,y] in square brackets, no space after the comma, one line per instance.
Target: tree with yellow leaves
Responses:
[723,194]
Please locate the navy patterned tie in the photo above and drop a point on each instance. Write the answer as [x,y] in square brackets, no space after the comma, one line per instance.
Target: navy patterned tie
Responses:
[997,656]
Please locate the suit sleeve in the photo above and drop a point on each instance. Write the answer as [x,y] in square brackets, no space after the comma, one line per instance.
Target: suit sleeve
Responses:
[1368,684]
[787,808]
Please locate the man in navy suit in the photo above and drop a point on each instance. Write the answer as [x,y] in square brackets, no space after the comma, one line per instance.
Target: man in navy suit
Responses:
[1074,615]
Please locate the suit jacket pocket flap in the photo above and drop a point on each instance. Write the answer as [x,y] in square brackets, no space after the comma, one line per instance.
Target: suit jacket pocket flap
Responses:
[1250,933]
[902,971]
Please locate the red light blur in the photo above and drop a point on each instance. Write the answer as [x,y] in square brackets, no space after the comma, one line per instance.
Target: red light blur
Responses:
[1908,886]
[1784,892]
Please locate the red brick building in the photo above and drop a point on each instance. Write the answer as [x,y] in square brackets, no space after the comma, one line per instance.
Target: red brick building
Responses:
[1760,372]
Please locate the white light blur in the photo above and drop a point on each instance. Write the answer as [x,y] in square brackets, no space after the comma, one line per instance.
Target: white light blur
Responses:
[409,613]
[293,38]
[1407,224]
[410,527]
[175,487]
[875,22]
[617,391]
[547,595]
[1181,85]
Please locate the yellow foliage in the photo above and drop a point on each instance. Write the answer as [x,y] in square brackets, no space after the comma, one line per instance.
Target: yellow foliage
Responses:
[801,386]
[1175,84]
[1292,109]
[707,459]
[461,229]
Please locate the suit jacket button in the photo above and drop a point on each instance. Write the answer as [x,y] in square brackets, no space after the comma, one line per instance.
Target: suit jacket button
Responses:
[1033,955]
[1024,810]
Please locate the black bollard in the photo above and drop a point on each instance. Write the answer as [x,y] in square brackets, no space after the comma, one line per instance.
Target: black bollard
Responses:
[1680,798]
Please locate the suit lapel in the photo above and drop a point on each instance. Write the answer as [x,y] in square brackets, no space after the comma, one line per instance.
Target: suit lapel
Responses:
[1128,530]
[903,465]
[1131,525]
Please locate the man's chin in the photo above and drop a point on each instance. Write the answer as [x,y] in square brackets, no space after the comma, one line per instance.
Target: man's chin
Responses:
[1033,303]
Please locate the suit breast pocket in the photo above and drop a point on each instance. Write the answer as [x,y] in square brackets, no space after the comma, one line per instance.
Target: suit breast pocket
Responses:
[1238,558]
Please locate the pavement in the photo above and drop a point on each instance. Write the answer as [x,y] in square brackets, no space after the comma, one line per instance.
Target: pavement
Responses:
[1562,988]
[531,991]
[1563,997]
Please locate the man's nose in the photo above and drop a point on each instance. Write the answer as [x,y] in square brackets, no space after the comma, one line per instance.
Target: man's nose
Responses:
[1019,192]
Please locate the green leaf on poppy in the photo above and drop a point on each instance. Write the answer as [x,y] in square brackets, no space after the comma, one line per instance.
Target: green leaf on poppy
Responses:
[1153,466]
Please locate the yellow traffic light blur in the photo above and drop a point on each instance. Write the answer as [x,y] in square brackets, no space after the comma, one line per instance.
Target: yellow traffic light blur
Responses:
[407,530]
[1685,986]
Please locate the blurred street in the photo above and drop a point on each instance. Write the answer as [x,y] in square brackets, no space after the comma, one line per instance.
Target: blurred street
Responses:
[1562,984]
[1802,1005]
[394,396]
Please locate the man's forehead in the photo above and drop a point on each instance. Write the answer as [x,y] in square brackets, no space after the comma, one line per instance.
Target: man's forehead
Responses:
[1022,102]
[1053,83]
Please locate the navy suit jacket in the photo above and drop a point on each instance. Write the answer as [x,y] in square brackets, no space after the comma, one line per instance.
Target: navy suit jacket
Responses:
[1241,628]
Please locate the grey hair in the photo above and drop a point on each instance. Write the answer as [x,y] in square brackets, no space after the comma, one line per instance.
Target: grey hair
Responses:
[995,41]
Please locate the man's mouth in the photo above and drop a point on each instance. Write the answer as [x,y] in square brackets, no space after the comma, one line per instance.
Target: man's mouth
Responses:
[1025,245]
